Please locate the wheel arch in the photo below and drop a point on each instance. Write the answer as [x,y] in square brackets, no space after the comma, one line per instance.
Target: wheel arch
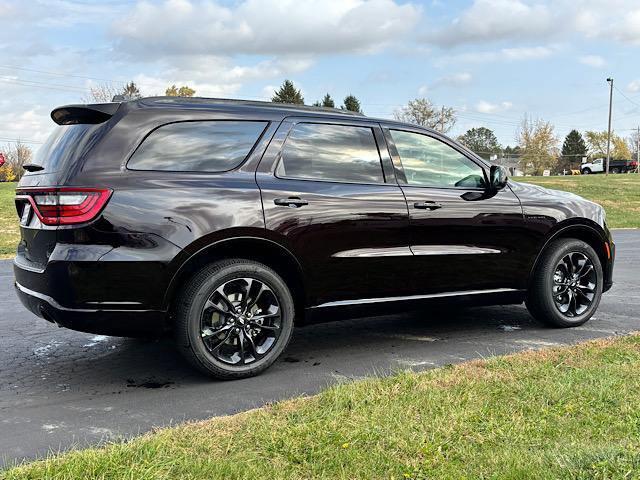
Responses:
[259,249]
[590,233]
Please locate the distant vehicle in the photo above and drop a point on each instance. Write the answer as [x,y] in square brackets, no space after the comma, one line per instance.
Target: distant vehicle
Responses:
[2,160]
[615,166]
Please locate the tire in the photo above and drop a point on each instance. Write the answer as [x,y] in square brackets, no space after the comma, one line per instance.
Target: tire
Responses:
[545,305]
[586,171]
[201,310]
[615,170]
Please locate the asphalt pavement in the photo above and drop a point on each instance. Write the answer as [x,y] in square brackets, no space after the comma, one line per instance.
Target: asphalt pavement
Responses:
[61,389]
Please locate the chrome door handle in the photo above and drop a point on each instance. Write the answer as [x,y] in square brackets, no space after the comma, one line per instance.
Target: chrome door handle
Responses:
[427,205]
[292,202]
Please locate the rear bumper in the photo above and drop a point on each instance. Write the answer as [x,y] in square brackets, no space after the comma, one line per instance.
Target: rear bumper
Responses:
[126,323]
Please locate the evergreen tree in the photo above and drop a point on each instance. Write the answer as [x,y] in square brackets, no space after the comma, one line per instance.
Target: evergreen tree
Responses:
[288,93]
[352,104]
[328,102]
[573,149]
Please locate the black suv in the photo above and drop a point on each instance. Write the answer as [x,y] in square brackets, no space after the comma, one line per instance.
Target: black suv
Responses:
[227,222]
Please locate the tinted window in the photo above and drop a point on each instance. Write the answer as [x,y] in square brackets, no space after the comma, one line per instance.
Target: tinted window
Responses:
[65,145]
[432,163]
[331,152]
[213,146]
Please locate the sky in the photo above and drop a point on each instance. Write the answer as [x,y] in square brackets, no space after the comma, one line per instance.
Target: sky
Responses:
[493,61]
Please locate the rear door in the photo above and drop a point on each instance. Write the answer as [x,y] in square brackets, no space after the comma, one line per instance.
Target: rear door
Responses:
[464,238]
[329,194]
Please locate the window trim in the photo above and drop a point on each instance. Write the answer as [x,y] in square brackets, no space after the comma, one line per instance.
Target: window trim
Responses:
[397,161]
[315,122]
[266,123]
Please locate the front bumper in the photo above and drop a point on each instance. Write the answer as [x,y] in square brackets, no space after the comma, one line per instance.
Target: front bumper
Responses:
[125,323]
[608,267]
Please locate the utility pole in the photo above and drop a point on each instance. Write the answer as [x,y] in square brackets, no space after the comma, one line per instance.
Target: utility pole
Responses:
[638,151]
[442,120]
[610,80]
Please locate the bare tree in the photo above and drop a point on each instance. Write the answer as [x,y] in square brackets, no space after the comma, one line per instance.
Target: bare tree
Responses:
[102,93]
[424,113]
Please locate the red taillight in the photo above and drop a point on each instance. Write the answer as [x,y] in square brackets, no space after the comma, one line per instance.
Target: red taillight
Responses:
[65,206]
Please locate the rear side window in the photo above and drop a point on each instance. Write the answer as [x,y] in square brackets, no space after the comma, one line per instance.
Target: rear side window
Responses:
[65,145]
[210,146]
[331,152]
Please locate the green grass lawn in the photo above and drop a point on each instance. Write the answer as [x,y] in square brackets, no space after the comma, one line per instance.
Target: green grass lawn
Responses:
[9,230]
[571,412]
[618,194]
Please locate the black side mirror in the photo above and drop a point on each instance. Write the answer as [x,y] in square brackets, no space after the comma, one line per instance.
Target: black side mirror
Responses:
[498,177]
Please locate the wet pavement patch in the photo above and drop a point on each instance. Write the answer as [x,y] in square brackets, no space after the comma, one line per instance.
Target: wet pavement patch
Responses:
[149,384]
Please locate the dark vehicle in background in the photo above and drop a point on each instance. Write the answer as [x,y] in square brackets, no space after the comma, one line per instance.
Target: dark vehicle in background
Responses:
[227,222]
[599,165]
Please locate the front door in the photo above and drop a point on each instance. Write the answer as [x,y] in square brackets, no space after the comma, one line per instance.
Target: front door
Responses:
[329,195]
[463,237]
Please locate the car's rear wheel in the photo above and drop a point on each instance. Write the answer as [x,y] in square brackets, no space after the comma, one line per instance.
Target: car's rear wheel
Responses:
[567,284]
[586,171]
[234,318]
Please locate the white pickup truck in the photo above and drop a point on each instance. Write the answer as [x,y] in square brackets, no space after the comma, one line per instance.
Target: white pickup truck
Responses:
[615,166]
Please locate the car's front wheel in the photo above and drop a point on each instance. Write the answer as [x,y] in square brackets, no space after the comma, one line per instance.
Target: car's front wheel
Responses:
[567,284]
[234,318]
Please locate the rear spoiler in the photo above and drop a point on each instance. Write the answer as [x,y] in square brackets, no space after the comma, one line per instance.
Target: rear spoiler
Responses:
[76,114]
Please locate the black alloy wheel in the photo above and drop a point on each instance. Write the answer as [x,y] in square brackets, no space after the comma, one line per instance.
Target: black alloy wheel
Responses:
[566,285]
[234,318]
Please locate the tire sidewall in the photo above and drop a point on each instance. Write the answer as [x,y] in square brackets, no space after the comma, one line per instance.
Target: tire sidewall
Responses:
[550,262]
[206,289]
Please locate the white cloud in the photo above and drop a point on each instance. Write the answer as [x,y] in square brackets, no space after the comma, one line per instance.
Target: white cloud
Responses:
[486,107]
[455,80]
[505,54]
[292,27]
[493,20]
[519,21]
[595,61]
[634,86]
[215,76]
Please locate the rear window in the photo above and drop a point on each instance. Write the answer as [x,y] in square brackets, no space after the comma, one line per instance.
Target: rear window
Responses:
[337,153]
[208,146]
[65,145]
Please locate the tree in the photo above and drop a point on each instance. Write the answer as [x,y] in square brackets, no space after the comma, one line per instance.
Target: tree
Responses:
[327,102]
[16,156]
[632,143]
[539,146]
[131,91]
[183,91]
[573,149]
[597,142]
[103,93]
[288,93]
[351,103]
[481,141]
[422,112]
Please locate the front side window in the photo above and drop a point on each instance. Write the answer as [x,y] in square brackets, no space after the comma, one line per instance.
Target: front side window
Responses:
[337,153]
[208,146]
[429,162]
